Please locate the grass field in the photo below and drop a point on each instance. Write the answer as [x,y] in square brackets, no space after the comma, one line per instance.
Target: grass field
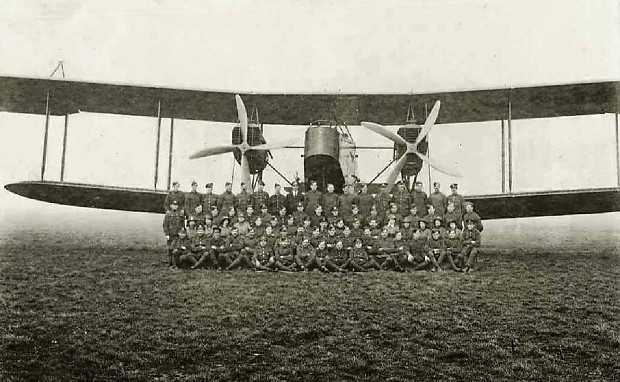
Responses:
[98,303]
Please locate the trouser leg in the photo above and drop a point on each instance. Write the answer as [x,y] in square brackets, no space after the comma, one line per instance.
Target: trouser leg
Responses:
[372,264]
[471,260]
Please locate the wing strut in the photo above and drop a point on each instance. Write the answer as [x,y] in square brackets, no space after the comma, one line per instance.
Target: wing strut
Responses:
[47,127]
[157,144]
[170,151]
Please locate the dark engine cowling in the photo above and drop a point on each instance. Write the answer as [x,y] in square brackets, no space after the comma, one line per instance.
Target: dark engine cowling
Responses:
[321,157]
[414,164]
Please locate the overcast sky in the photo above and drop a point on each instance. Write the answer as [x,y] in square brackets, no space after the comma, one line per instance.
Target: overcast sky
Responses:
[310,46]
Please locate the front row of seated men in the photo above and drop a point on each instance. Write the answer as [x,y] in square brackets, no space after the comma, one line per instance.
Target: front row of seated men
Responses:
[331,250]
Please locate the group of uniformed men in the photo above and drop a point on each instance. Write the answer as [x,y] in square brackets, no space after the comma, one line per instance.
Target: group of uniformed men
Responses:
[354,231]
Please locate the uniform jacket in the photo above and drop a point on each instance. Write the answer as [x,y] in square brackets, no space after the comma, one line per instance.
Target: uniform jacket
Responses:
[292,200]
[475,217]
[192,199]
[420,199]
[330,200]
[258,199]
[402,200]
[225,201]
[358,255]
[470,236]
[312,199]
[459,203]
[208,201]
[173,222]
[454,245]
[178,196]
[182,244]
[242,200]
[439,201]
[364,202]
[200,243]
[276,202]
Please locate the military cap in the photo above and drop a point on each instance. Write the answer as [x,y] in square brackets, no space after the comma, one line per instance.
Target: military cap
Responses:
[191,218]
[454,185]
[313,182]
[213,208]
[175,183]
[194,183]
[261,183]
[437,218]
[264,206]
[209,185]
[469,203]
[240,215]
[228,184]
[283,229]
[470,221]
[200,227]
[182,230]
[418,183]
[407,219]
[243,183]
[300,204]
[436,231]
[217,229]
[398,183]
[174,202]
[277,185]
[262,238]
[335,208]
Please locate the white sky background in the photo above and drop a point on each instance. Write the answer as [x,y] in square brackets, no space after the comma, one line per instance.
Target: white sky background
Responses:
[310,46]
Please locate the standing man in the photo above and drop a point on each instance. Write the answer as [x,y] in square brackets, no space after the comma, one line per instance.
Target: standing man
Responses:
[402,198]
[330,199]
[175,194]
[209,199]
[192,199]
[365,201]
[346,201]
[419,198]
[173,223]
[259,197]
[438,199]
[227,199]
[312,198]
[242,199]
[277,201]
[294,198]
[458,201]
[382,201]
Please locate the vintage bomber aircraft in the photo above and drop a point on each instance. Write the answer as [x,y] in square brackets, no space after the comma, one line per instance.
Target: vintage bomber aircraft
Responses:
[330,146]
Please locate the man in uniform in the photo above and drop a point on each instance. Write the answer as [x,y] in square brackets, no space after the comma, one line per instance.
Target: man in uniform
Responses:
[283,252]
[259,197]
[458,201]
[217,246]
[242,199]
[230,254]
[419,198]
[209,199]
[175,194]
[304,254]
[386,250]
[382,201]
[329,199]
[365,201]
[180,250]
[473,216]
[277,201]
[200,244]
[265,215]
[346,201]
[246,252]
[262,258]
[438,200]
[436,250]
[338,258]
[299,214]
[452,216]
[312,198]
[471,243]
[317,215]
[192,199]
[454,247]
[402,198]
[227,199]
[294,198]
[173,223]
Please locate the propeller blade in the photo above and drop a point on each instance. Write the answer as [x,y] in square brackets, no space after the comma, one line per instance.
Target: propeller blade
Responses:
[381,130]
[274,145]
[243,118]
[440,167]
[395,171]
[209,151]
[245,171]
[430,122]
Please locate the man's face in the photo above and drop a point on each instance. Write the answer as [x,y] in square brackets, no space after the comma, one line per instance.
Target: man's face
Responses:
[313,186]
[393,209]
[450,207]
[401,187]
[198,209]
[437,187]
[217,234]
[330,188]
[269,230]
[250,233]
[264,210]
[208,190]
[384,233]
[283,211]
[323,224]
[249,210]
[277,189]
[305,242]
[346,231]
[240,218]
[260,187]
[418,187]
[263,243]
[358,244]
[322,244]
[229,187]
[365,189]
[405,224]
[258,222]
[192,223]
[470,226]
[231,211]
[398,236]
[414,210]
[200,231]
[174,207]
[182,235]
[318,210]
[367,232]
[431,209]
[437,223]
[339,245]
[194,186]
[332,231]
[452,225]
[455,190]
[214,212]
[244,187]
[435,235]
[356,223]
[307,223]
[452,234]
[373,223]
[422,224]
[469,208]
[175,187]
[234,232]
[416,235]
[300,208]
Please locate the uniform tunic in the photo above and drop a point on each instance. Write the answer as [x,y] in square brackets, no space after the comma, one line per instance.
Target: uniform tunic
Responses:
[178,196]
[420,199]
[192,199]
[438,200]
[242,201]
[173,222]
[276,202]
[330,200]
[476,218]
[459,203]
[225,201]
[292,199]
[209,200]
[402,200]
[312,199]
[364,202]
[258,199]
[382,201]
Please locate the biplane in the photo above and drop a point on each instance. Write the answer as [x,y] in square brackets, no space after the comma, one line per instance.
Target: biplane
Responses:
[329,150]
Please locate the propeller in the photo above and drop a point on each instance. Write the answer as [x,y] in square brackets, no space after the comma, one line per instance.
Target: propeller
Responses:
[243,146]
[412,148]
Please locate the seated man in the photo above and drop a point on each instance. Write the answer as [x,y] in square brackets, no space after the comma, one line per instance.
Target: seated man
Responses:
[471,243]
[304,254]
[418,245]
[217,246]
[338,258]
[233,250]
[247,251]
[402,251]
[386,251]
[454,247]
[436,250]
[359,261]
[181,250]
[471,215]
[200,244]
[262,258]
[283,252]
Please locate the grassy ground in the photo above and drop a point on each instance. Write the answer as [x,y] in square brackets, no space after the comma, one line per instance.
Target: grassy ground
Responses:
[102,306]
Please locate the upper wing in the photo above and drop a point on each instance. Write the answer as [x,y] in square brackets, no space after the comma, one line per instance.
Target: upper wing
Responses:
[29,95]
[516,205]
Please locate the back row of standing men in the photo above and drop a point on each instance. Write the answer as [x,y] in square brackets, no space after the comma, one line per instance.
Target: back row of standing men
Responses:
[400,202]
